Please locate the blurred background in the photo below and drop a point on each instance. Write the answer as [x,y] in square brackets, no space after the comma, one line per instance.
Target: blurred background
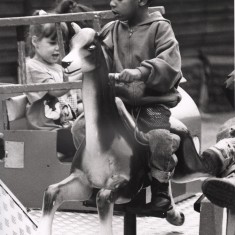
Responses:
[204,29]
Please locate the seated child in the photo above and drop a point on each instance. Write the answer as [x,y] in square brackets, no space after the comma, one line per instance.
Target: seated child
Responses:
[143,49]
[46,108]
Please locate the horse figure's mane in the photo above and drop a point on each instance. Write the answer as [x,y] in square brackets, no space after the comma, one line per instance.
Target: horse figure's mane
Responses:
[109,119]
[108,107]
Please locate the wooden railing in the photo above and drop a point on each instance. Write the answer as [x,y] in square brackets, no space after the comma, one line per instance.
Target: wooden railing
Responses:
[97,17]
[8,90]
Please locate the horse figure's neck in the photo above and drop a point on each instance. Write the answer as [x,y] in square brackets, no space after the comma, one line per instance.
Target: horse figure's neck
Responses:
[99,105]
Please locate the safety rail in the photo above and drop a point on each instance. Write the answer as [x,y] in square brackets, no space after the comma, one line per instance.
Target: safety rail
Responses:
[10,89]
[20,23]
[97,17]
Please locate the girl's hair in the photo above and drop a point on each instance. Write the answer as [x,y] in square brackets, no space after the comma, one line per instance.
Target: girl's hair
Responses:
[41,31]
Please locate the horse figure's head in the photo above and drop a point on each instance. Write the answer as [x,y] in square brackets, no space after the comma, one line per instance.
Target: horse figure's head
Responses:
[84,51]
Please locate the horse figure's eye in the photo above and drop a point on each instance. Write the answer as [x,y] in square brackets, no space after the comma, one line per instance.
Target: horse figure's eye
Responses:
[91,47]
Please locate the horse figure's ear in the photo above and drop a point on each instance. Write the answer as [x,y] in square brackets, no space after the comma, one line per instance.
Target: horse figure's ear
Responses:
[39,13]
[42,12]
[99,37]
[76,27]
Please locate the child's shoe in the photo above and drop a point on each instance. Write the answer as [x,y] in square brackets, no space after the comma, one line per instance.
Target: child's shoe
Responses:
[161,200]
[220,191]
[220,157]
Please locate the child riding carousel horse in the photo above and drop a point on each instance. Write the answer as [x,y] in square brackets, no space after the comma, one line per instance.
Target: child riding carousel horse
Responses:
[143,49]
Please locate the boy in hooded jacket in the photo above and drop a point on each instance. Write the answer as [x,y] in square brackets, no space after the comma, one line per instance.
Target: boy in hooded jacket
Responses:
[142,47]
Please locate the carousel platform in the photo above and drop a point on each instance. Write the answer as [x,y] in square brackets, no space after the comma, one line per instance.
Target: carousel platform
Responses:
[15,219]
[73,223]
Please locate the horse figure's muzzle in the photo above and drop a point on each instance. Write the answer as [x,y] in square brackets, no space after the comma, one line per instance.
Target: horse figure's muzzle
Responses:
[65,64]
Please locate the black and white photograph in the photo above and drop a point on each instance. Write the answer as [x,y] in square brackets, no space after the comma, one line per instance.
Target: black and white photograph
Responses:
[117,117]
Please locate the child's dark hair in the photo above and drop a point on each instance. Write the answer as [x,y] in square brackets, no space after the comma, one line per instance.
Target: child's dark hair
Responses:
[149,2]
[47,30]
[73,6]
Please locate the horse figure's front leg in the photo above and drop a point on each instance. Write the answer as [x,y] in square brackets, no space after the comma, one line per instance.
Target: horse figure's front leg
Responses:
[105,200]
[174,216]
[74,187]
[105,205]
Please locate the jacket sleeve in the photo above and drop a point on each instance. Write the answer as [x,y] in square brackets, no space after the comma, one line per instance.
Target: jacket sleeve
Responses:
[164,71]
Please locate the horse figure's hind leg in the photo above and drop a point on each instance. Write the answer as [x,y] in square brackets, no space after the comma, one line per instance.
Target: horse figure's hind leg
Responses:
[105,200]
[74,187]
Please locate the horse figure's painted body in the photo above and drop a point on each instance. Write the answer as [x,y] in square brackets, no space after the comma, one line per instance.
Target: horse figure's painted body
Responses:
[110,159]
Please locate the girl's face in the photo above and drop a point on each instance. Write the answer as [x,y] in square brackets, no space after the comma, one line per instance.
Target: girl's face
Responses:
[46,50]
[125,10]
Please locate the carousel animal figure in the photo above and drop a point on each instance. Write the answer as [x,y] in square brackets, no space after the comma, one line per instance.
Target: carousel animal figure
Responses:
[110,159]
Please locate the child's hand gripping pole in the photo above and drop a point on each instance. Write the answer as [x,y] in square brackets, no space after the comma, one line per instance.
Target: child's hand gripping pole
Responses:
[127,76]
[115,78]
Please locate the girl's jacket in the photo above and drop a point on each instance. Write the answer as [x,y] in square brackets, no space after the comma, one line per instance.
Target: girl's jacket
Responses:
[152,48]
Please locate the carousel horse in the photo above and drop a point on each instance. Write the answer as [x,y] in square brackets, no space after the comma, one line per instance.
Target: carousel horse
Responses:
[110,159]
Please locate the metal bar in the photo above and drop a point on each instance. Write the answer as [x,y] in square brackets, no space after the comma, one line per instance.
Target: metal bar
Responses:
[97,23]
[60,40]
[19,88]
[54,18]
[1,117]
[21,62]
[230,229]
[215,215]
[61,44]
[129,224]
[21,55]
[5,115]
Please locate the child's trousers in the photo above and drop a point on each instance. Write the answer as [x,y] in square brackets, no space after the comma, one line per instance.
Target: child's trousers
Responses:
[154,120]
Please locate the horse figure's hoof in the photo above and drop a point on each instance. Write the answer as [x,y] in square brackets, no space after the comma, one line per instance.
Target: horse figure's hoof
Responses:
[175,218]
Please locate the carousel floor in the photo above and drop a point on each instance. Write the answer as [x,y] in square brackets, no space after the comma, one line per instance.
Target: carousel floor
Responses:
[70,223]
[15,219]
